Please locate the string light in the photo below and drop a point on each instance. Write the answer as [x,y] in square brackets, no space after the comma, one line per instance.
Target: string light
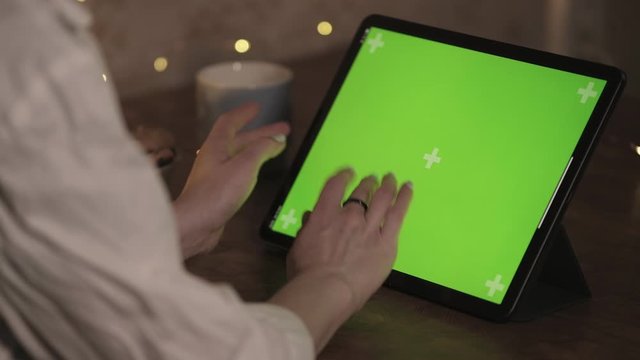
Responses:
[81,1]
[104,77]
[638,149]
[324,28]
[160,64]
[242,45]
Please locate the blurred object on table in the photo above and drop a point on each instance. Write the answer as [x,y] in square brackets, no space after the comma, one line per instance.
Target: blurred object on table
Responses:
[159,145]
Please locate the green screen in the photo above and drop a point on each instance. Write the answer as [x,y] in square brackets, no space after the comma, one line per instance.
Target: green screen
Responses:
[484,139]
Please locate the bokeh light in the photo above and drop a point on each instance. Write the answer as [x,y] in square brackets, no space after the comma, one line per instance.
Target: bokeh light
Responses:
[160,64]
[242,45]
[325,28]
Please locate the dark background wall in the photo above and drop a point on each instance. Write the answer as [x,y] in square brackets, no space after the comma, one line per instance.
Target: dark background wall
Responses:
[194,33]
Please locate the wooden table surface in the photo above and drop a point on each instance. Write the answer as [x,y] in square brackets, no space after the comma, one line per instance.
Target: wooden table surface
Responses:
[603,222]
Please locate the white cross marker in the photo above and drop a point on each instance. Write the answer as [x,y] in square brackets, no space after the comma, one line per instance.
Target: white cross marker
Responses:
[432,158]
[289,219]
[587,92]
[494,285]
[375,43]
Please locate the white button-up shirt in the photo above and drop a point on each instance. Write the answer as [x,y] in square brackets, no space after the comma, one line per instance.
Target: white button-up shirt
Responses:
[90,265]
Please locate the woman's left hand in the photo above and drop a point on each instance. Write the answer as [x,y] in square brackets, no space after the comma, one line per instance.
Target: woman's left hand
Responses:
[223,176]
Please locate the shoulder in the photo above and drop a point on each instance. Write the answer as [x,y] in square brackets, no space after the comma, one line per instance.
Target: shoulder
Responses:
[39,38]
[39,30]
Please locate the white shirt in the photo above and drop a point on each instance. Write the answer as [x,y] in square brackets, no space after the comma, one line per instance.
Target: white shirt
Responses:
[90,265]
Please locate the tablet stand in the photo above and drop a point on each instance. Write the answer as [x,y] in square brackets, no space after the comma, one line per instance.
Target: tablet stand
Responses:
[558,281]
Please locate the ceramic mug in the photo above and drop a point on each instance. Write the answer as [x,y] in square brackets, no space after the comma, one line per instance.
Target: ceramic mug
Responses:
[224,86]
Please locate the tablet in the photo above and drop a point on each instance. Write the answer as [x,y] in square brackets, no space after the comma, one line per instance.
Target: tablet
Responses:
[493,137]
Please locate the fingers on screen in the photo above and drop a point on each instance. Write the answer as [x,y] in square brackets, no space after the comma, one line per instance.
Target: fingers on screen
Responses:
[330,200]
[381,201]
[362,192]
[397,212]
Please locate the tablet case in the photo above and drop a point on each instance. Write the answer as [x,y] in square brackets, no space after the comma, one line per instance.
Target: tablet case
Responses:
[557,281]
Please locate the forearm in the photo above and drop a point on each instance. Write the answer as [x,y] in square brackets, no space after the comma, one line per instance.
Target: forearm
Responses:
[322,301]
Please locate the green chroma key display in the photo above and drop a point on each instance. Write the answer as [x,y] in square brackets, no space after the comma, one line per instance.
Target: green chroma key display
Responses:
[484,139]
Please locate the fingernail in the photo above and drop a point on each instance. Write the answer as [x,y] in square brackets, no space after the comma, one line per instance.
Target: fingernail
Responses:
[351,172]
[409,184]
[281,138]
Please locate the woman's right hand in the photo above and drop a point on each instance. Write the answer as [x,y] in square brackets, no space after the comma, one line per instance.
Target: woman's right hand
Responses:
[350,243]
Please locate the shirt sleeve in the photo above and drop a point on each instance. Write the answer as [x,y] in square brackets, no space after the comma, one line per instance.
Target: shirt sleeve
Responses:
[90,266]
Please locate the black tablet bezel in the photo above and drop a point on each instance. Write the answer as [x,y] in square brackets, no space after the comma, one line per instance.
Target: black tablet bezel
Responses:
[497,312]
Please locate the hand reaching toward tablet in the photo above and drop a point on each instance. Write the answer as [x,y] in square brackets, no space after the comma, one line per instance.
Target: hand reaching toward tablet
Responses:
[223,176]
[343,253]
